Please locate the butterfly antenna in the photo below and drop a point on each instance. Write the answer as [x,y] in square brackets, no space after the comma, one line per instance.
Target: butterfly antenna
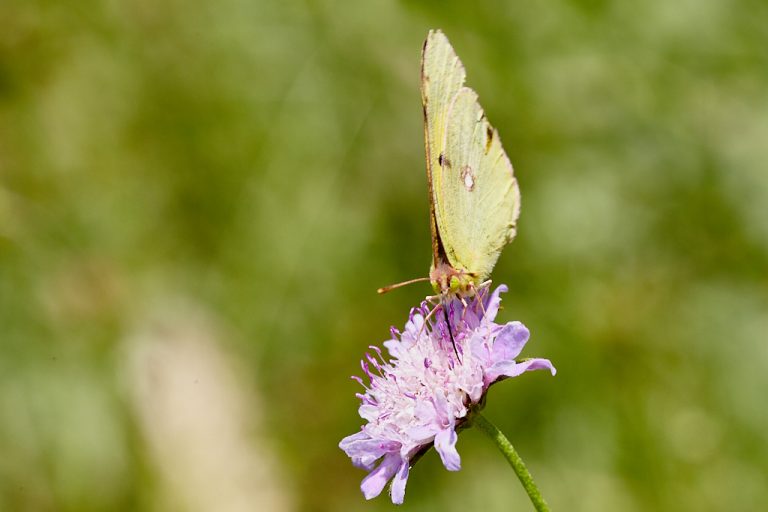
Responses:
[385,289]
[450,332]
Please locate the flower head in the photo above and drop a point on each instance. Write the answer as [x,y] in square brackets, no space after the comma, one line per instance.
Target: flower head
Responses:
[435,373]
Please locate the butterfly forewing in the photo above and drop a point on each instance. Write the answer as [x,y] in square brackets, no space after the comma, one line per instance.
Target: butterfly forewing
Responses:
[442,76]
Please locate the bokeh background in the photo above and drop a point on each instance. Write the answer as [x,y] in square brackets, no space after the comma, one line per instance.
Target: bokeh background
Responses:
[199,199]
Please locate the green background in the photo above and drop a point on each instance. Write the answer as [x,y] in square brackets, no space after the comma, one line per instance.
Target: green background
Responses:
[199,199]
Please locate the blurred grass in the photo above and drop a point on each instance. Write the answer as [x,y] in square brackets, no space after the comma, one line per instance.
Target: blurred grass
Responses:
[264,162]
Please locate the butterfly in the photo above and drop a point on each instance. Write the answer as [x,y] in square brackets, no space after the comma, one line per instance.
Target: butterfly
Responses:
[474,200]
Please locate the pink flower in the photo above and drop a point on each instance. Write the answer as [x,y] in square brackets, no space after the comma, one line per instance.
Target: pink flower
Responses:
[418,396]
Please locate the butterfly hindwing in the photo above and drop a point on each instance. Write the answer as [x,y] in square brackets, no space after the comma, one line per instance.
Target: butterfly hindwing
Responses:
[477,200]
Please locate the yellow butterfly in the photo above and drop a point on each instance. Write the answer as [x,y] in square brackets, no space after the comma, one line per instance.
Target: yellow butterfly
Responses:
[474,201]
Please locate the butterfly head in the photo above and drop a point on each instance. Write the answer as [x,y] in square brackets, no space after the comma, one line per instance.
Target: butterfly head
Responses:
[446,280]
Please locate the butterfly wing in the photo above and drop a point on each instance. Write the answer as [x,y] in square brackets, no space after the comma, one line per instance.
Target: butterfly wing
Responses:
[442,77]
[477,200]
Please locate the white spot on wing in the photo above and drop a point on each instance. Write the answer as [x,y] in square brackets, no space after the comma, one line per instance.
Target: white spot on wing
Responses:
[468,178]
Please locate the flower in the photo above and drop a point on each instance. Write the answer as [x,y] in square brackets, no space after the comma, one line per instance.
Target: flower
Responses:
[428,387]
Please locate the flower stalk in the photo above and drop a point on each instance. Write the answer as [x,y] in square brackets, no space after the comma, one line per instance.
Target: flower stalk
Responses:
[506,448]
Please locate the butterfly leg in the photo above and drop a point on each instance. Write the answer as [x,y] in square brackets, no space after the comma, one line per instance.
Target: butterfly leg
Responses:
[466,306]
[476,292]
[429,315]
[441,305]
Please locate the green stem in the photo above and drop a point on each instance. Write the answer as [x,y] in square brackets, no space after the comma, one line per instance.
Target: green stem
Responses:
[514,459]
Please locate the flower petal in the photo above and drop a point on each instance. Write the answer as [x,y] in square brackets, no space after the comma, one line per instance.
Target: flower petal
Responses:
[353,438]
[445,444]
[510,342]
[397,490]
[513,369]
[471,318]
[393,346]
[421,433]
[493,302]
[413,325]
[365,451]
[479,348]
[475,392]
[368,412]
[374,483]
[533,364]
